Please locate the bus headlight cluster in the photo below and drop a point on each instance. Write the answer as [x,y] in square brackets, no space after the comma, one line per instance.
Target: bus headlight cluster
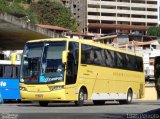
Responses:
[23,88]
[22,80]
[56,88]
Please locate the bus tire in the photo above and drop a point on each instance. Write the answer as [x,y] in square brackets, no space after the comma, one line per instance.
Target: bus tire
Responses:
[98,102]
[129,98]
[43,103]
[80,101]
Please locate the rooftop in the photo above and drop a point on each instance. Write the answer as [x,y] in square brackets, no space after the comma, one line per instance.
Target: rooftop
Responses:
[51,27]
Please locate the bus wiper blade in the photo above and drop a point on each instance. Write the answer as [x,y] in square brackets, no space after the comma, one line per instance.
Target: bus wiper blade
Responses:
[53,82]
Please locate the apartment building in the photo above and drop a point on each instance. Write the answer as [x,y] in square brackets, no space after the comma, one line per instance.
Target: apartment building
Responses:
[115,16]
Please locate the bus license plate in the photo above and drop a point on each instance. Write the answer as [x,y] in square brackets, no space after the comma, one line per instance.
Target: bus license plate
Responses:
[39,95]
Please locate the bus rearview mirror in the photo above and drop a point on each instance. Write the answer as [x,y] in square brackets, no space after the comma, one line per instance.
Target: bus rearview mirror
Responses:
[64,57]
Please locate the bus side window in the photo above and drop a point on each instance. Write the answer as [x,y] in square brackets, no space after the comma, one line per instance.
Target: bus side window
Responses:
[156,67]
[131,63]
[124,61]
[119,60]
[7,72]
[98,57]
[87,54]
[15,71]
[103,57]
[110,58]
[1,71]
[139,64]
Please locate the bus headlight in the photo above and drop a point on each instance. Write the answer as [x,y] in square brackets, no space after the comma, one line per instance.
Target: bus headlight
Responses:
[22,80]
[23,88]
[56,88]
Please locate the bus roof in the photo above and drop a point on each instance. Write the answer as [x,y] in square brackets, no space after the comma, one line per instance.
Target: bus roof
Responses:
[85,41]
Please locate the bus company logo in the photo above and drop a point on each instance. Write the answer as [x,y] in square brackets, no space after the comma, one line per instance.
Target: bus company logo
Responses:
[3,84]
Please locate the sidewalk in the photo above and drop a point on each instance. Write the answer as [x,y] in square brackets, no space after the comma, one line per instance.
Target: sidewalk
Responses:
[150,93]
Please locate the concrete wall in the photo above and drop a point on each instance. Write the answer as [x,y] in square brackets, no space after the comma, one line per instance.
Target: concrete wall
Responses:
[27,26]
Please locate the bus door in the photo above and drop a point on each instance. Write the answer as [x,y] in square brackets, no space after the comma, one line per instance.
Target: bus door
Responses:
[72,70]
[88,75]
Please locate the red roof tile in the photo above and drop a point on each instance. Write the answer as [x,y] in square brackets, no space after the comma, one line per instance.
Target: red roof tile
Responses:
[50,27]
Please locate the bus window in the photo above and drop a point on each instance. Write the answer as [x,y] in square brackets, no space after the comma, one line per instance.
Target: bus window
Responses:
[157,67]
[1,56]
[139,64]
[7,72]
[119,60]
[87,54]
[124,61]
[98,58]
[52,62]
[131,62]
[72,63]
[31,62]
[103,57]
[15,71]
[110,58]
[1,71]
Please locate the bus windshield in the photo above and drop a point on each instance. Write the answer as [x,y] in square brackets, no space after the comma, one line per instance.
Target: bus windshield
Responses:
[42,62]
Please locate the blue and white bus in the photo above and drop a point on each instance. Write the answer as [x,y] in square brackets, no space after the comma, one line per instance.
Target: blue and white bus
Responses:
[9,79]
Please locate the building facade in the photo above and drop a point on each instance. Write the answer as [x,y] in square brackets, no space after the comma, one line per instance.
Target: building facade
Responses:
[115,16]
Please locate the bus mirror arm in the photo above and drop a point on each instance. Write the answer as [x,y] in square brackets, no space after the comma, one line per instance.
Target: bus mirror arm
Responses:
[64,56]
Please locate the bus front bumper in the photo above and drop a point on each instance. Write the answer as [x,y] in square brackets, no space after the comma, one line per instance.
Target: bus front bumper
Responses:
[58,95]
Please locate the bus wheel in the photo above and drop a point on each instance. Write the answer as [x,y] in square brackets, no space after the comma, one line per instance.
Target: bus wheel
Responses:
[80,101]
[98,102]
[129,98]
[43,103]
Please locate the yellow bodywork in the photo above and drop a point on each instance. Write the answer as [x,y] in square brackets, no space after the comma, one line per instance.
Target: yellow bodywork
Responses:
[14,57]
[96,79]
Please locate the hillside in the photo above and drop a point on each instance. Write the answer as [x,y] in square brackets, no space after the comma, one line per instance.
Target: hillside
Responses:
[51,12]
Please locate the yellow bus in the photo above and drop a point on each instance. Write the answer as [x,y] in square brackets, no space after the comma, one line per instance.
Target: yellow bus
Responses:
[16,57]
[61,69]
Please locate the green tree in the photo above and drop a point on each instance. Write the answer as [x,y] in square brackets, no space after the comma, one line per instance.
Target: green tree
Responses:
[55,13]
[15,8]
[44,12]
[154,31]
[18,1]
[3,5]
[12,7]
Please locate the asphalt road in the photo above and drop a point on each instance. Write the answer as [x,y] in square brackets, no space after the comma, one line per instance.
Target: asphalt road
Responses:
[111,110]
